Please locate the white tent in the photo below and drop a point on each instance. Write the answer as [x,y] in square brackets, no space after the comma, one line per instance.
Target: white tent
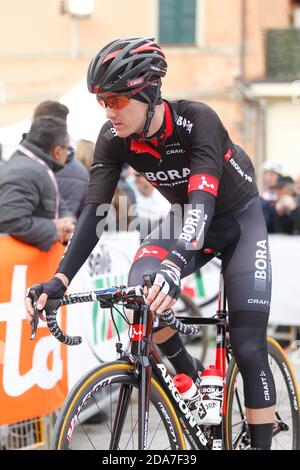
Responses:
[84,120]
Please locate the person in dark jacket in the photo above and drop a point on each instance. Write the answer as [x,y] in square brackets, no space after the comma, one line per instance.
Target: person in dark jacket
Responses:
[1,161]
[73,178]
[73,182]
[30,206]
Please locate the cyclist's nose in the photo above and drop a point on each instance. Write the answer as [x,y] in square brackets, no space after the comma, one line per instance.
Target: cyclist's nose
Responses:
[110,112]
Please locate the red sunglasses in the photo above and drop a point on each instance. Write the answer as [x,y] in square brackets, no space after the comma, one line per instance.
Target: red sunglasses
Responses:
[117,100]
[114,101]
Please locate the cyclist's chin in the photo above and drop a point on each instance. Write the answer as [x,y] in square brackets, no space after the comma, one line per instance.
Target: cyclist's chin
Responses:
[123,131]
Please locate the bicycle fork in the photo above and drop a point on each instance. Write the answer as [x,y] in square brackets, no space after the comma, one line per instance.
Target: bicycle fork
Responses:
[141,333]
[141,347]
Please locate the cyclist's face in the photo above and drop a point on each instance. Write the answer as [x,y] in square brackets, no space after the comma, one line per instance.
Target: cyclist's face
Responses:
[128,120]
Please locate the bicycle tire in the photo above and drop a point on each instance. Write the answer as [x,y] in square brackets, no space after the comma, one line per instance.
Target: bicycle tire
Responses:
[191,309]
[101,380]
[284,417]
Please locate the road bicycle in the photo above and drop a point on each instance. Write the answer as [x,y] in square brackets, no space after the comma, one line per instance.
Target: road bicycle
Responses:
[186,307]
[137,403]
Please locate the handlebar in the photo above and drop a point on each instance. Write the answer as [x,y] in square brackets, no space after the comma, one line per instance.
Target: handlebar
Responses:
[129,296]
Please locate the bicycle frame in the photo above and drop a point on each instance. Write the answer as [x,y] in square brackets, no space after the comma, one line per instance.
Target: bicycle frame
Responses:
[147,363]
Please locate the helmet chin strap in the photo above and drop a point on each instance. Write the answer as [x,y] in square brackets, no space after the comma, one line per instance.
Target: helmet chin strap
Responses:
[150,113]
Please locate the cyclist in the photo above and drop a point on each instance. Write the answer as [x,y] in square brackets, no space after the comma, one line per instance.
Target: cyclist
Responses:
[183,149]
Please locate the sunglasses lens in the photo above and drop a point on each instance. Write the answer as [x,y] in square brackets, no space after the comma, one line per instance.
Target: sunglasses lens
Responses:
[114,102]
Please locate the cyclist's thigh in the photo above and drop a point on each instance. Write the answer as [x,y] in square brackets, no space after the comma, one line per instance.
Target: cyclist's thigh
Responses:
[247,265]
[155,248]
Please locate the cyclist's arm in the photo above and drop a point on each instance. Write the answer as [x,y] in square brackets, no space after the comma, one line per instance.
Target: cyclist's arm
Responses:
[200,212]
[82,243]
[207,138]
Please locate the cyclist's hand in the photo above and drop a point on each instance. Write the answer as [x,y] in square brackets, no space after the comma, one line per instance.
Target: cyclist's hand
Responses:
[64,228]
[165,288]
[54,289]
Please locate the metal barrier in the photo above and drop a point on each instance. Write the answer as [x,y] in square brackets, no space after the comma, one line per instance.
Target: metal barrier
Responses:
[30,434]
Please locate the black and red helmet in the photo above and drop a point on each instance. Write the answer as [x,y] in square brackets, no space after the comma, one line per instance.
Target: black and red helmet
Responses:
[126,64]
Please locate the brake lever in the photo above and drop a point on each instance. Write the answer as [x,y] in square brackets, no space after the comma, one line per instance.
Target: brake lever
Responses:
[35,320]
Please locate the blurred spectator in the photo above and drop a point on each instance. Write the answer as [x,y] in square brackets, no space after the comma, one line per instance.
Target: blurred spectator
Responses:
[124,204]
[128,173]
[73,178]
[286,219]
[297,187]
[73,183]
[1,161]
[30,206]
[84,152]
[271,172]
[287,209]
[128,187]
[284,215]
[51,108]
[268,211]
[124,212]
[151,206]
[297,198]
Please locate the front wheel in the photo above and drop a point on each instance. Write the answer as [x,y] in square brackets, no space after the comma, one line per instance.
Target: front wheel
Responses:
[87,419]
[286,426]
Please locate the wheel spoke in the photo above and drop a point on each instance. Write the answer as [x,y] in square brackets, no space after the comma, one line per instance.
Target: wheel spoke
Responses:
[87,435]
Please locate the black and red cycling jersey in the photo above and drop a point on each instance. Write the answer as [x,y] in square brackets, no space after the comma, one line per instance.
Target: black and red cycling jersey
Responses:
[197,154]
[191,161]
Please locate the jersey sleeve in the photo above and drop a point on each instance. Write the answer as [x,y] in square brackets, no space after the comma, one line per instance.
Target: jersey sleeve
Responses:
[198,214]
[207,138]
[106,167]
[206,144]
